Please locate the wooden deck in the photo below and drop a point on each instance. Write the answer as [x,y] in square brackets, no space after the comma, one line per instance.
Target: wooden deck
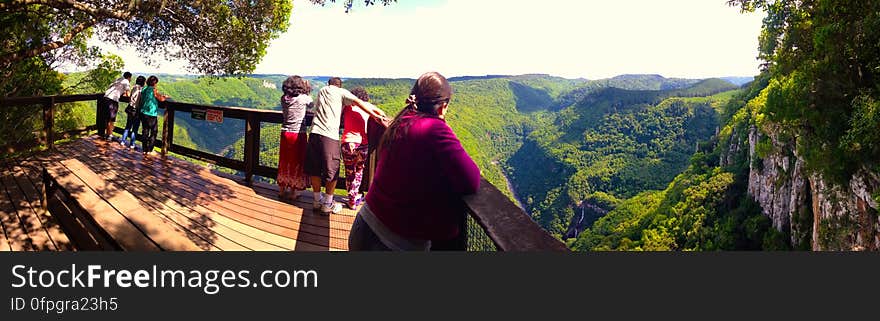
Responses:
[152,203]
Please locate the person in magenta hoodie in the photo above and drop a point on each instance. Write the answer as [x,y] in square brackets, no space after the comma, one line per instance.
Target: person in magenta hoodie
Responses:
[421,175]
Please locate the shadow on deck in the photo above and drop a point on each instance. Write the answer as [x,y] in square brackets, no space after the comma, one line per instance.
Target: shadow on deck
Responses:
[124,200]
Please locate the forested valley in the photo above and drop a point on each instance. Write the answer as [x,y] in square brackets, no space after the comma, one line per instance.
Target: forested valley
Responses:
[785,160]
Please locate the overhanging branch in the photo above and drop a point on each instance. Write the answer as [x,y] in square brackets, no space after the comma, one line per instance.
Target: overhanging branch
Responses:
[48,46]
[98,13]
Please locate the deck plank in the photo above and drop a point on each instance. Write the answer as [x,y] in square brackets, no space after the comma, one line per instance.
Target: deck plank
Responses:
[270,242]
[196,226]
[149,203]
[197,234]
[157,229]
[29,216]
[16,233]
[152,207]
[67,217]
[289,227]
[5,245]
[31,185]
[241,196]
[127,235]
[339,225]
[206,176]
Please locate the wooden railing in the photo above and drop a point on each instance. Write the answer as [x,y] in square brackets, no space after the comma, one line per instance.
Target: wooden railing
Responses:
[498,219]
[254,118]
[47,103]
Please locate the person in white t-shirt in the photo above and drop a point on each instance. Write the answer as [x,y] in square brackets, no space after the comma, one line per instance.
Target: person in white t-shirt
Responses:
[118,88]
[323,153]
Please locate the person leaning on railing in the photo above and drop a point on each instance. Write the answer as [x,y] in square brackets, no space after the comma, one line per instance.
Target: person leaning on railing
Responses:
[132,121]
[110,103]
[421,176]
[295,100]
[323,150]
[149,101]
[354,146]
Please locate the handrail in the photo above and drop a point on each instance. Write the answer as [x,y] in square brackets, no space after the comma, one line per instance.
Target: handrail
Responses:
[41,100]
[253,119]
[508,226]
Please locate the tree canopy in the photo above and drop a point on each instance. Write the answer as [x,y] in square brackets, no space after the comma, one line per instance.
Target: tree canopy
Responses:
[822,56]
[213,36]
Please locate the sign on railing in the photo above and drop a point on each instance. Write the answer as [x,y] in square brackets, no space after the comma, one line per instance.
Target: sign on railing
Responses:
[197,114]
[214,116]
[210,115]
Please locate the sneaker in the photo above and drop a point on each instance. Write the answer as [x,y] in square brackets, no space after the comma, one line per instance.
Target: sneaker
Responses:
[332,208]
[316,204]
[122,143]
[352,204]
[131,147]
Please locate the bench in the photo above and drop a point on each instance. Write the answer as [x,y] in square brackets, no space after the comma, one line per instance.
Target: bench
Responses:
[100,215]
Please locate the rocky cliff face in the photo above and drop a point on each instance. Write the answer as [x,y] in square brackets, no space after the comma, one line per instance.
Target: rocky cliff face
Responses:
[818,213]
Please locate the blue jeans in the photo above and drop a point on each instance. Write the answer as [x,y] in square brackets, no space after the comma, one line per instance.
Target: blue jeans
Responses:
[132,124]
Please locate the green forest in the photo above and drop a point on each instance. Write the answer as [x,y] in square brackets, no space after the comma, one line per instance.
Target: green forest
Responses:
[787,160]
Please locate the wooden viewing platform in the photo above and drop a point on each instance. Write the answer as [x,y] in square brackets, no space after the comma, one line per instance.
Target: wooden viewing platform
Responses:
[90,194]
[157,203]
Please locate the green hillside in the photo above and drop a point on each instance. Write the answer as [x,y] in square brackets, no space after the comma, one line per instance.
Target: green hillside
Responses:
[610,146]
[703,208]
[795,163]
[238,92]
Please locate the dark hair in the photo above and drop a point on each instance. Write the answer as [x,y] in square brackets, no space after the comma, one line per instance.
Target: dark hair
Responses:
[152,81]
[335,81]
[430,92]
[126,75]
[361,93]
[140,80]
[295,85]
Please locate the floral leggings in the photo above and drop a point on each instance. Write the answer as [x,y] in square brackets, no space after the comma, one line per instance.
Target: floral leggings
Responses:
[354,156]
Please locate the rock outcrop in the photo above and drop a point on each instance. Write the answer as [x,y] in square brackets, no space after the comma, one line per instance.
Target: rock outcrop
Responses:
[819,214]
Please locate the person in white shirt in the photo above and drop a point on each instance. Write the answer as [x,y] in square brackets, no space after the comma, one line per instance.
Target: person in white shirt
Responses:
[118,88]
[323,149]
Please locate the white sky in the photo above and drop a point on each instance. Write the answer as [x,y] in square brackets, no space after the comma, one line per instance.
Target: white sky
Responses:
[570,38]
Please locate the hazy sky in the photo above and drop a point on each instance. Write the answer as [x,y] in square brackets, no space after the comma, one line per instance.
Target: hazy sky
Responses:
[570,38]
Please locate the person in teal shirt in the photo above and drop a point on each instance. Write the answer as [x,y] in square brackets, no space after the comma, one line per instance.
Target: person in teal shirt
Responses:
[149,101]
